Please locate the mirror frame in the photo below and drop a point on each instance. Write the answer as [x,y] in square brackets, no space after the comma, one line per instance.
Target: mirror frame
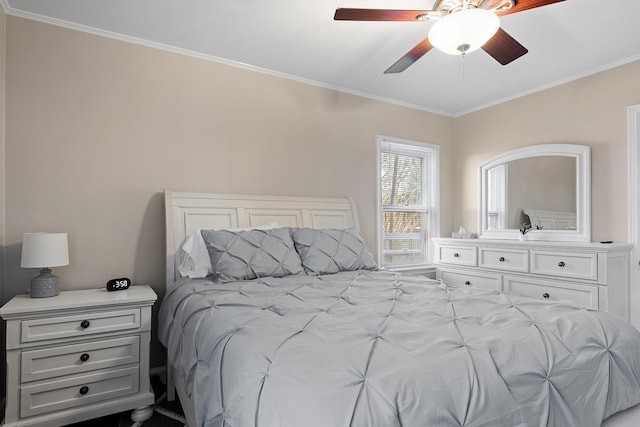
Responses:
[582,154]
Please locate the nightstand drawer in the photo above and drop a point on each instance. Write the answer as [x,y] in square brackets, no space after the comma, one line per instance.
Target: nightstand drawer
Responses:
[79,325]
[504,259]
[474,280]
[458,255]
[77,391]
[582,295]
[77,358]
[579,266]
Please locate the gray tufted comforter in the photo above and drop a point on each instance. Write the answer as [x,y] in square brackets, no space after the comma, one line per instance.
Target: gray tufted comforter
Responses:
[372,348]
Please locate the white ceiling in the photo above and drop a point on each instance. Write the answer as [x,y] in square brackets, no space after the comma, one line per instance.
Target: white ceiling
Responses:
[299,39]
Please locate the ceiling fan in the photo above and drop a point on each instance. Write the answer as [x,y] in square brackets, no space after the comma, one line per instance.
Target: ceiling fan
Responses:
[461,27]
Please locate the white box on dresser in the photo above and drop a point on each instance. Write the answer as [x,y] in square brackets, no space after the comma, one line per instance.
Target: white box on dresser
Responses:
[595,275]
[79,355]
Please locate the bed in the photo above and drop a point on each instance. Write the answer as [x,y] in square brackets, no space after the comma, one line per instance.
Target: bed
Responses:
[341,343]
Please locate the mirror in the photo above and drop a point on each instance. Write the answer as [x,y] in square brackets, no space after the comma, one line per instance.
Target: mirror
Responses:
[545,186]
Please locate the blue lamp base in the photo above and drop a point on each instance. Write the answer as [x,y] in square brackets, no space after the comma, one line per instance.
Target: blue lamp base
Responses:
[45,285]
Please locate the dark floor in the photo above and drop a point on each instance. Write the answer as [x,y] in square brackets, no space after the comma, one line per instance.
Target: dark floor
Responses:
[124,419]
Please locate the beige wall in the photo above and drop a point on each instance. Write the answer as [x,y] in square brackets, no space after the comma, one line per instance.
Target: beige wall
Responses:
[2,181]
[590,111]
[98,128]
[2,147]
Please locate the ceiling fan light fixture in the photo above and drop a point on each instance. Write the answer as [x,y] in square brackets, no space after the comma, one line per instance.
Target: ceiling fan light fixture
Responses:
[463,32]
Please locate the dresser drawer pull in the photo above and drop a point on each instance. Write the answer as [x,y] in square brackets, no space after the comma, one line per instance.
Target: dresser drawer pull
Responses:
[546,295]
[501,259]
[468,283]
[561,264]
[84,357]
[84,389]
[85,324]
[456,255]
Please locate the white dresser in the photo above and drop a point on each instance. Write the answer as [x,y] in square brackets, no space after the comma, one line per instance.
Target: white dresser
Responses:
[79,355]
[594,275]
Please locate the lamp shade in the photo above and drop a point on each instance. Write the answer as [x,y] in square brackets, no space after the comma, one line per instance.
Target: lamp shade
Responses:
[465,31]
[41,250]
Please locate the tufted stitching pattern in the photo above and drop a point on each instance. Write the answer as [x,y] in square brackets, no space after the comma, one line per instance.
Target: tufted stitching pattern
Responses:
[246,255]
[369,348]
[329,251]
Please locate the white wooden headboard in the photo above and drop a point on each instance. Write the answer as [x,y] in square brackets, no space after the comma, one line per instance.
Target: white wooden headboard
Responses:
[550,220]
[185,213]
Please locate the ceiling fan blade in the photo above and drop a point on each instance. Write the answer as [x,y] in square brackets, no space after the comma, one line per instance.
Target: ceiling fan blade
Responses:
[504,48]
[410,57]
[347,14]
[526,5]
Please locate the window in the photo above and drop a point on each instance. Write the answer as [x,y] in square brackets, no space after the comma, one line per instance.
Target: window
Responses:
[497,197]
[408,202]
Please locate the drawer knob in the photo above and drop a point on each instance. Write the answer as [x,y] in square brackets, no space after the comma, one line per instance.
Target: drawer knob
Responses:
[456,255]
[546,295]
[84,389]
[85,324]
[468,283]
[501,259]
[561,264]
[84,357]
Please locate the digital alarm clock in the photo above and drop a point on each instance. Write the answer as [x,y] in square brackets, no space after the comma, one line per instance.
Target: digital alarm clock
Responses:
[118,284]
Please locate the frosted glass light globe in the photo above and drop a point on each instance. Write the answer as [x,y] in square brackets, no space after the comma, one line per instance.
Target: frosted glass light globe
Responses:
[465,31]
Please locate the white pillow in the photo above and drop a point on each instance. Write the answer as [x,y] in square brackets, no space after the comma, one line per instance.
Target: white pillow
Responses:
[195,261]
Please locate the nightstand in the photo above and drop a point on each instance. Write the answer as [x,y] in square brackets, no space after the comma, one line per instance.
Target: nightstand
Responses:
[79,355]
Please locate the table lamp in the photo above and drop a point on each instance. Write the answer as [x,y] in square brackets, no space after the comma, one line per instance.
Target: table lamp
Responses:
[44,250]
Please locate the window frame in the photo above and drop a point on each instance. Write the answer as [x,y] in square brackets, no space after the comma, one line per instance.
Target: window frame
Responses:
[497,182]
[430,190]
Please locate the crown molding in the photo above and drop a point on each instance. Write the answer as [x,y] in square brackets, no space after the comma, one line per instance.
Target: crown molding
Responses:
[148,43]
[5,6]
[450,114]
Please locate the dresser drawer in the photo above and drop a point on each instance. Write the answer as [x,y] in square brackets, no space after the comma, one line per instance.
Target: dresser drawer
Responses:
[79,325]
[582,295]
[78,390]
[576,265]
[504,259]
[473,280]
[458,255]
[77,358]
